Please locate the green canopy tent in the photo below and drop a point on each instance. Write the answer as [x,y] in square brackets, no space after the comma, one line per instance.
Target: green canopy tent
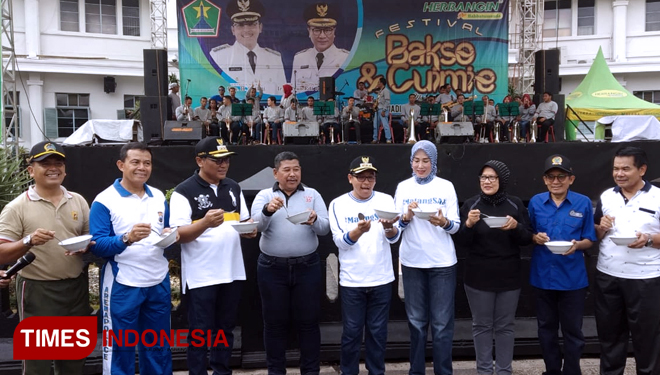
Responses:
[599,95]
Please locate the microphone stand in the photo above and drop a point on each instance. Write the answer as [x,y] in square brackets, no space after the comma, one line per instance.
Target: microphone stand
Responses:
[186,94]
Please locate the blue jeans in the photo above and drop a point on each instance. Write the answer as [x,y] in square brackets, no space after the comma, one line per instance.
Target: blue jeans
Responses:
[362,306]
[429,298]
[290,290]
[213,308]
[565,308]
[524,127]
[384,121]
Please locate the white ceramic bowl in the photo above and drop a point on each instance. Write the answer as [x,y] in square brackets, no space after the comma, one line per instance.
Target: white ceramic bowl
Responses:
[244,228]
[424,214]
[623,240]
[300,217]
[558,247]
[387,215]
[495,221]
[167,239]
[76,243]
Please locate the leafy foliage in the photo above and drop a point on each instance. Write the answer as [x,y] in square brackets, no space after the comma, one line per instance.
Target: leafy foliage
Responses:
[14,178]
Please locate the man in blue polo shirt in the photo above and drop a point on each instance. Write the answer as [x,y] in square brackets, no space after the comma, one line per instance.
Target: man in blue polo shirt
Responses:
[627,281]
[126,220]
[560,280]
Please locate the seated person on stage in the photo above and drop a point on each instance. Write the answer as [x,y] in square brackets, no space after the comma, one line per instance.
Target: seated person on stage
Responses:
[288,96]
[292,113]
[427,124]
[331,121]
[227,121]
[485,121]
[213,126]
[456,111]
[253,122]
[308,112]
[527,110]
[202,113]
[360,94]
[504,121]
[350,116]
[545,115]
[405,113]
[273,119]
[445,95]
[185,111]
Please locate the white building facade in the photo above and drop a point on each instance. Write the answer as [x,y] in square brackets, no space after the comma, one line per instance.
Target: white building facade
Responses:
[65,48]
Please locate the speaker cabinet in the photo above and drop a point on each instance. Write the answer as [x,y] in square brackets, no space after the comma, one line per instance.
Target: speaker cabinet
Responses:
[546,72]
[109,84]
[155,72]
[153,114]
[326,88]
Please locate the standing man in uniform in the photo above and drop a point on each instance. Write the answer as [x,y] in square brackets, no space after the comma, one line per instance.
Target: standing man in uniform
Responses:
[324,59]
[245,61]
[212,270]
[560,281]
[289,272]
[382,114]
[54,283]
[627,281]
[126,220]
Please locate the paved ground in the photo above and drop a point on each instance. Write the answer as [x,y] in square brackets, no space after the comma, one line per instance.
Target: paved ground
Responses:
[520,367]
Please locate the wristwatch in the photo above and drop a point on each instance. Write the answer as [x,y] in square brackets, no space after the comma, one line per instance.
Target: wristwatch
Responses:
[126,240]
[649,242]
[27,241]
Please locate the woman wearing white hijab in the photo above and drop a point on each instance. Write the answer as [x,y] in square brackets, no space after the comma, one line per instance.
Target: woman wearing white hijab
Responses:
[428,258]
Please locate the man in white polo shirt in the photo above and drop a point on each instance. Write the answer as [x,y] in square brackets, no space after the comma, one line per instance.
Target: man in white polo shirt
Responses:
[126,220]
[212,267]
[627,282]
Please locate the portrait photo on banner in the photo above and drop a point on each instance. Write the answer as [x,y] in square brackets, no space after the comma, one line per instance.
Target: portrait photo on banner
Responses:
[264,43]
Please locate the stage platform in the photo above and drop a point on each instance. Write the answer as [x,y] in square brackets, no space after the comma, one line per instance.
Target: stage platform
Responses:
[325,168]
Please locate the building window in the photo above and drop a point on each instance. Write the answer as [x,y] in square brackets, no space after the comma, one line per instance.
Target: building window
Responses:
[101,16]
[69,15]
[9,111]
[130,12]
[72,112]
[131,104]
[586,17]
[557,18]
[652,15]
[649,96]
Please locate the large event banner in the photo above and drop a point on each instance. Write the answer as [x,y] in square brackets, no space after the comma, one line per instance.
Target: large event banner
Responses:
[417,46]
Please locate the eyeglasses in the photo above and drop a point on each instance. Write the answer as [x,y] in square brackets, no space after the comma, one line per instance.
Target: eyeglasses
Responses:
[484,178]
[558,177]
[219,161]
[327,31]
[246,24]
[365,178]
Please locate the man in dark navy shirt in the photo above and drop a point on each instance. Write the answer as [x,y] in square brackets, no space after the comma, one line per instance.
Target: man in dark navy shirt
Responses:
[560,280]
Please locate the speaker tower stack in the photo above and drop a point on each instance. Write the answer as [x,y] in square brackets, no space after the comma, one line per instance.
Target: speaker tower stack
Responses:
[326,88]
[154,105]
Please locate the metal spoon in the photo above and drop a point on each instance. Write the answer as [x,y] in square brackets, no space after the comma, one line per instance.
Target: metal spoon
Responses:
[360,216]
[483,216]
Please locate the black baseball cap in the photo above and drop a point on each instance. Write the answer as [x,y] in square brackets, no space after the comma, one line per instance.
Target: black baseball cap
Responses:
[42,150]
[212,147]
[558,162]
[361,164]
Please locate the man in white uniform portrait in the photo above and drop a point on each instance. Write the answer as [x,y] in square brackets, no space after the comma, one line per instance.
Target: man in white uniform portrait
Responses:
[324,58]
[245,61]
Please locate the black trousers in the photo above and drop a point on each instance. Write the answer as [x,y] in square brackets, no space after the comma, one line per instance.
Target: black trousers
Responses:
[624,308]
[237,128]
[347,128]
[545,125]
